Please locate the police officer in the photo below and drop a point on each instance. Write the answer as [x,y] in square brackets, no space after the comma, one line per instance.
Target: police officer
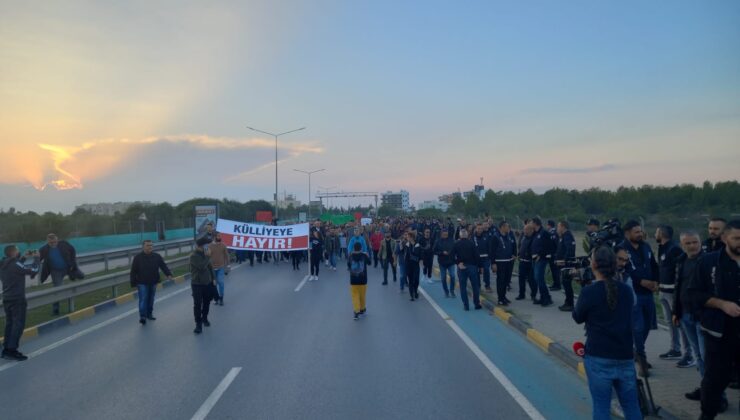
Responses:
[565,258]
[504,254]
[525,265]
[539,246]
[715,288]
[551,249]
[484,247]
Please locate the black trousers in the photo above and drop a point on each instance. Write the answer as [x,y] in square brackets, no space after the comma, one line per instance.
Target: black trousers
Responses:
[15,322]
[526,278]
[555,271]
[201,302]
[388,264]
[504,270]
[428,261]
[721,355]
[295,257]
[412,275]
[376,257]
[566,278]
[315,263]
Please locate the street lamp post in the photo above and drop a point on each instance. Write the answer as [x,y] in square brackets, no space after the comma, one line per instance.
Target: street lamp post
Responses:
[309,173]
[276,158]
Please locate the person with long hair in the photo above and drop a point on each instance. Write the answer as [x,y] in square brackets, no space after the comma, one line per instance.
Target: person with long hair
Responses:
[606,308]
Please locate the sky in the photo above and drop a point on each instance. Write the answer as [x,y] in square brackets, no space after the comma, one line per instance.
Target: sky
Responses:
[141,100]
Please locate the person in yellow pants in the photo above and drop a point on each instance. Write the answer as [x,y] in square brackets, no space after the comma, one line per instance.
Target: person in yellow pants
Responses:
[357,264]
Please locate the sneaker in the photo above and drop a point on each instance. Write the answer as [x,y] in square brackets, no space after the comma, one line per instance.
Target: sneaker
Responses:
[385,283]
[520,298]
[206,323]
[198,329]
[14,355]
[356,317]
[412,298]
[363,312]
[546,303]
[334,268]
[566,308]
[502,303]
[694,395]
[670,354]
[151,318]
[686,363]
[142,321]
[478,307]
[315,278]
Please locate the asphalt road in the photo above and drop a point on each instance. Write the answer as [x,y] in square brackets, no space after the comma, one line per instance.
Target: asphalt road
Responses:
[298,354]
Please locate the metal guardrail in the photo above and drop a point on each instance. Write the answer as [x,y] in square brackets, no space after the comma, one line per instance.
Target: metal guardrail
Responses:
[106,257]
[76,288]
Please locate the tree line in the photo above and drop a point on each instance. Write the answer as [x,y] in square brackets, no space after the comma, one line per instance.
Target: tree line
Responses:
[683,206]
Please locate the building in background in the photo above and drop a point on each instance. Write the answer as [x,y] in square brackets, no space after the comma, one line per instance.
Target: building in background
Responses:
[439,205]
[397,200]
[287,201]
[110,209]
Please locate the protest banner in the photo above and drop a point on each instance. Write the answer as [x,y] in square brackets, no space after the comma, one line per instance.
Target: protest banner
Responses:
[254,237]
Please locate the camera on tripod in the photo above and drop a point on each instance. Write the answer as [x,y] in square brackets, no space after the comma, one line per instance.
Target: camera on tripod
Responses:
[609,234]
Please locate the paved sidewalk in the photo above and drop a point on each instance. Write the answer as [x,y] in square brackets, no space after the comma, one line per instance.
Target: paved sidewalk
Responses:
[668,383]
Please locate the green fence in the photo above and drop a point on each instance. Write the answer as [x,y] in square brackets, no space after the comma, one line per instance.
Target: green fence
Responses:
[99,243]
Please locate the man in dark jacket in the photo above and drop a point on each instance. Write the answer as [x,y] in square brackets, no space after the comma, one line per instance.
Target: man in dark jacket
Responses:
[13,272]
[565,259]
[485,248]
[465,255]
[144,276]
[714,240]
[443,250]
[552,245]
[202,283]
[539,246]
[525,265]
[504,249]
[668,254]
[715,289]
[58,259]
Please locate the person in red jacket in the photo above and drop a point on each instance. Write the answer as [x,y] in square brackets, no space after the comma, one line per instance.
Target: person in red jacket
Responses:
[375,239]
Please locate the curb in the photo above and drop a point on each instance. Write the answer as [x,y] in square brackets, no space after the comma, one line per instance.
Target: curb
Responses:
[540,340]
[77,316]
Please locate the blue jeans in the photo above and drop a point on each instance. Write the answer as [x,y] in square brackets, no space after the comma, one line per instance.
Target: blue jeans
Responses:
[692,329]
[146,299]
[220,281]
[469,273]
[333,259]
[644,319]
[485,264]
[443,273]
[539,278]
[402,272]
[607,374]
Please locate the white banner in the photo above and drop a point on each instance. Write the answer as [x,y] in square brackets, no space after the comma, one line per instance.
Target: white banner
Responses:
[252,237]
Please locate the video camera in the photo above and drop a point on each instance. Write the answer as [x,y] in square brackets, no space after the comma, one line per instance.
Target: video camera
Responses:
[609,234]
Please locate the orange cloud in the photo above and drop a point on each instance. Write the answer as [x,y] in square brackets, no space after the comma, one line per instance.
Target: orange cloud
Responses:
[68,167]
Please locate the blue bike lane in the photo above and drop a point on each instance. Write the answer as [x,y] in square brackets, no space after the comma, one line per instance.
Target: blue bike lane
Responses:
[552,388]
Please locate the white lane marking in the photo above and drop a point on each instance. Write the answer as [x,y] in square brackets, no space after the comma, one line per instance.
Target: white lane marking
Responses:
[207,406]
[300,285]
[87,331]
[523,402]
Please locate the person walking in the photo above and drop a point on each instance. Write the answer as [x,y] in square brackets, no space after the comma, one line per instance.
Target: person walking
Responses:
[144,276]
[58,260]
[317,252]
[201,282]
[465,255]
[605,307]
[220,260]
[386,255]
[357,263]
[427,256]
[13,272]
[412,255]
[443,249]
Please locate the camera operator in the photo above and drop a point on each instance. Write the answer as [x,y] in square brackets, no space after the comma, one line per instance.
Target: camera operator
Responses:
[715,291]
[588,241]
[668,254]
[13,272]
[605,306]
[642,269]
[565,258]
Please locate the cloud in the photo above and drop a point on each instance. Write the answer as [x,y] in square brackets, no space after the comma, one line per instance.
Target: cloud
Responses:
[65,167]
[585,170]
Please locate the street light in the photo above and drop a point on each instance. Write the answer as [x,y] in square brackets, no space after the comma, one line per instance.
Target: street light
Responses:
[276,158]
[309,173]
